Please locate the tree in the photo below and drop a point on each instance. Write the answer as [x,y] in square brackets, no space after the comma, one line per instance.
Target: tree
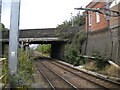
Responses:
[78,20]
[45,48]
[3,27]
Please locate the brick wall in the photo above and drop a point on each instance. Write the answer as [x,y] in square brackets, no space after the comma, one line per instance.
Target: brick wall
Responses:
[104,42]
[103,22]
[115,21]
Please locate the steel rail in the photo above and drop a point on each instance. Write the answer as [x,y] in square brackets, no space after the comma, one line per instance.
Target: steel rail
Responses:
[40,71]
[107,80]
[61,77]
[81,77]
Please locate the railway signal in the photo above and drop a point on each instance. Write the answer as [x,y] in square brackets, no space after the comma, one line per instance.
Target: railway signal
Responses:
[26,44]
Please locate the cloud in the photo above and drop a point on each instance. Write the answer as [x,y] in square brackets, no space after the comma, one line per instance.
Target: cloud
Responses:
[7,1]
[5,17]
[46,13]
[43,13]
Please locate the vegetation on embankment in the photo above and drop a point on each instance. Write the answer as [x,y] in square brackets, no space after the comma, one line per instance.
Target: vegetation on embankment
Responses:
[78,20]
[73,50]
[74,56]
[44,49]
[25,75]
[25,67]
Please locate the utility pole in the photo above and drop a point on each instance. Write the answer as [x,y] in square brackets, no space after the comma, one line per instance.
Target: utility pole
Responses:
[0,30]
[14,37]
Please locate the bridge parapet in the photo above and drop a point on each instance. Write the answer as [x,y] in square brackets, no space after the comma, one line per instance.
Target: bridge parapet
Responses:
[49,32]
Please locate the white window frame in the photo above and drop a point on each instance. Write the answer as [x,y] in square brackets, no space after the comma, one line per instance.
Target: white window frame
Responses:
[97,17]
[90,19]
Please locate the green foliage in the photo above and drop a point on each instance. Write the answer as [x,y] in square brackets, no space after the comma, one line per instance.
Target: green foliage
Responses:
[78,20]
[25,69]
[73,50]
[3,27]
[100,61]
[79,39]
[45,48]
[65,24]
[71,53]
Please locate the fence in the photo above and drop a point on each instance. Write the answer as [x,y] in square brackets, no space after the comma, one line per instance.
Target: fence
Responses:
[2,72]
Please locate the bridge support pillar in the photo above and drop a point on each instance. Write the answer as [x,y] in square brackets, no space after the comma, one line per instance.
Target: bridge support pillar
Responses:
[57,50]
[1,49]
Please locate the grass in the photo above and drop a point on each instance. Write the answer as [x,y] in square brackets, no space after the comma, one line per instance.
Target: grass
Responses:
[110,71]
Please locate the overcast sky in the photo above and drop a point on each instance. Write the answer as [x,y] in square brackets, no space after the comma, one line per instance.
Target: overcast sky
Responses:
[42,13]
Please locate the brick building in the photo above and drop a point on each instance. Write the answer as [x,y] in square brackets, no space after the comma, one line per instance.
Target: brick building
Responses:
[115,21]
[95,20]
[104,36]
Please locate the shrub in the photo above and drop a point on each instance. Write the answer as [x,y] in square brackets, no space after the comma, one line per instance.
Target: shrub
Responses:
[100,61]
[25,66]
[25,75]
[73,50]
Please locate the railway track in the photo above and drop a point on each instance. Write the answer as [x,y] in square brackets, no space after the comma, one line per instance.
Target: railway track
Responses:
[73,78]
[54,79]
[107,84]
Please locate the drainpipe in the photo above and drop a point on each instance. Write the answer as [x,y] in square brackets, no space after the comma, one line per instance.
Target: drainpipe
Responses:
[110,32]
[87,29]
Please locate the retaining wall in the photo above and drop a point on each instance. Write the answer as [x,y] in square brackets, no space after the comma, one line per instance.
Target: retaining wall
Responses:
[105,41]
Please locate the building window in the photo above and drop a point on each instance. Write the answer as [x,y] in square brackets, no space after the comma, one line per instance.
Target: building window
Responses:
[97,17]
[90,19]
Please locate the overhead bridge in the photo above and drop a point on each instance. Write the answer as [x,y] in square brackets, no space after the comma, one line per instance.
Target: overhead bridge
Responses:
[60,33]
[57,37]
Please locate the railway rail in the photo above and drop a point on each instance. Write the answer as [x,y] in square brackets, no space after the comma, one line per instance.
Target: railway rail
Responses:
[54,79]
[108,84]
[79,79]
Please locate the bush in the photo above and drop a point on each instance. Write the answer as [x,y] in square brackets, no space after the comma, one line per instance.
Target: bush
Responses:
[26,67]
[25,75]
[100,61]
[73,50]
[71,53]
